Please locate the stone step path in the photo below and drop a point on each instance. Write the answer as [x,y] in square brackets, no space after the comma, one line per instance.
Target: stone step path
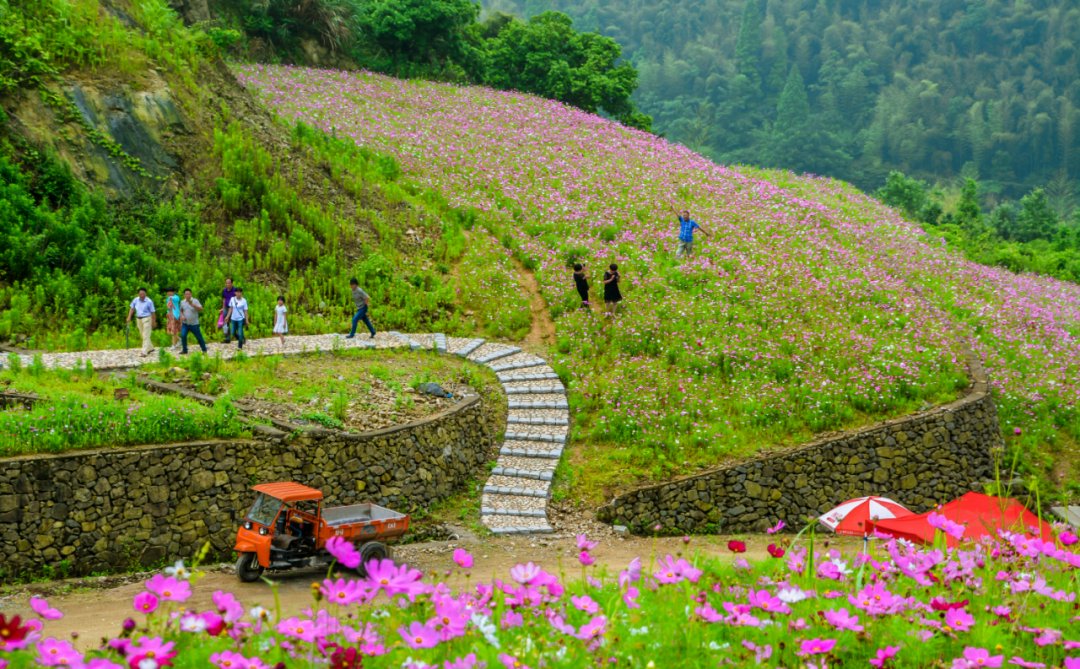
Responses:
[515,496]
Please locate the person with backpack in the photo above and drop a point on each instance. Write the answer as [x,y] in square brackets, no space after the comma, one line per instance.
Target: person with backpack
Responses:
[237,317]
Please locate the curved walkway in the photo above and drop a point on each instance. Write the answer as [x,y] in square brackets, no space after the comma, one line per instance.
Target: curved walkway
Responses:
[515,497]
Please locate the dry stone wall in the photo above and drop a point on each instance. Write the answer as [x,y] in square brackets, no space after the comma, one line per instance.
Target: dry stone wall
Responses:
[918,460]
[116,508]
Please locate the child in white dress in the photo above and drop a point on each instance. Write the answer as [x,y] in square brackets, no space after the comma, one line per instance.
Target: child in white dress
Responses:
[281,323]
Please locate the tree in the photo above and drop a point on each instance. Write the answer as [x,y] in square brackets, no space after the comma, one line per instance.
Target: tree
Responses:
[421,31]
[904,193]
[1036,219]
[748,48]
[968,211]
[546,56]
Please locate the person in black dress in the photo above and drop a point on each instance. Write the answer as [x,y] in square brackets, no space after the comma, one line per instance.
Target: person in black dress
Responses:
[612,296]
[581,282]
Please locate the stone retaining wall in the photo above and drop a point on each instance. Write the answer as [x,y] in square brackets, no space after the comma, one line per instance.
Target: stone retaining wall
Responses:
[919,460]
[116,508]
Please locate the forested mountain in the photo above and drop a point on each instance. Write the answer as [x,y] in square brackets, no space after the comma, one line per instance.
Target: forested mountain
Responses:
[986,89]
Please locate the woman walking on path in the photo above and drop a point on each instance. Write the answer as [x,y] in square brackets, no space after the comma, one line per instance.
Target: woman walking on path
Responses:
[238,317]
[172,316]
[281,323]
[612,296]
[226,296]
[581,282]
[142,307]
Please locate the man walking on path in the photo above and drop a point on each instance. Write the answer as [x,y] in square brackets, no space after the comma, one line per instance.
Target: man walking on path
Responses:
[226,296]
[361,301]
[142,307]
[189,321]
[686,232]
[238,317]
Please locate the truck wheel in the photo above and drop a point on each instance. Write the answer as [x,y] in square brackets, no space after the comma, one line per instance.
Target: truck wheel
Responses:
[372,550]
[248,568]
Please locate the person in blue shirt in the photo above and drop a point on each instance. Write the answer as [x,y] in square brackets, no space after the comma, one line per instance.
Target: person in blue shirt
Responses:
[686,232]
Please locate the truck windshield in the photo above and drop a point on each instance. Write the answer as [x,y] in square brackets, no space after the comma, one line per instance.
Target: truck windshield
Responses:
[264,510]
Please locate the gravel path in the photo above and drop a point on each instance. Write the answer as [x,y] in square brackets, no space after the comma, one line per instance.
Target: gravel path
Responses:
[516,496]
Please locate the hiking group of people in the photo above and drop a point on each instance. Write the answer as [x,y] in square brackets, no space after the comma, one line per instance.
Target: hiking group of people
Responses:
[182,316]
[612,295]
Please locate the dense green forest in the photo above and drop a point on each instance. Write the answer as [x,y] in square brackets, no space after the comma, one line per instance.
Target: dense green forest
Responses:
[937,89]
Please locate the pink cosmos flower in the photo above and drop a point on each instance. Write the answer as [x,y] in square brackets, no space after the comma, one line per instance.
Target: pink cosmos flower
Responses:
[511,662]
[672,571]
[775,551]
[228,659]
[815,647]
[42,608]
[776,528]
[525,573]
[1071,663]
[463,558]
[584,544]
[883,656]
[169,588]
[394,580]
[707,613]
[761,653]
[145,602]
[53,652]
[764,600]
[585,603]
[736,546]
[150,653]
[343,551]
[343,592]
[949,527]
[1068,538]
[842,620]
[227,605]
[512,619]
[419,635]
[466,662]
[630,597]
[959,619]
[980,657]
[1017,661]
[98,663]
[632,573]
[592,629]
[298,628]
[585,559]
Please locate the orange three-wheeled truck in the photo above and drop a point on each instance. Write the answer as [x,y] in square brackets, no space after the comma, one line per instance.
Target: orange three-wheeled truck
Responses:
[288,527]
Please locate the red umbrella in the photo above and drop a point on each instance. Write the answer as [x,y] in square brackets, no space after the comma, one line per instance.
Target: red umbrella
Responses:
[981,515]
[852,516]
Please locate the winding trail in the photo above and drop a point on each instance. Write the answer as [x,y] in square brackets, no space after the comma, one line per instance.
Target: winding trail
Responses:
[515,497]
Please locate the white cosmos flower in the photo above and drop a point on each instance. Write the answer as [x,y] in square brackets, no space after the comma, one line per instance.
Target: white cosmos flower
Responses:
[178,570]
[791,595]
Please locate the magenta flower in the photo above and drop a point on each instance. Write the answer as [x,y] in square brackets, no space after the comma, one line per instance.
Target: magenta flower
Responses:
[585,559]
[883,656]
[949,527]
[342,592]
[815,647]
[764,600]
[463,558]
[776,528]
[394,580]
[525,573]
[980,657]
[145,602]
[671,570]
[842,620]
[343,551]
[593,628]
[56,653]
[419,635]
[466,662]
[150,653]
[1017,661]
[227,605]
[959,619]
[1067,537]
[585,603]
[761,653]
[632,573]
[169,588]
[1071,663]
[511,662]
[584,544]
[42,608]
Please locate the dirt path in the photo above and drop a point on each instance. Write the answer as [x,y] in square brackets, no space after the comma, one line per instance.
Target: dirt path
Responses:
[93,612]
[542,331]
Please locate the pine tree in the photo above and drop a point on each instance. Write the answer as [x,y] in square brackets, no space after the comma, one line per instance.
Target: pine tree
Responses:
[748,47]
[968,212]
[1037,219]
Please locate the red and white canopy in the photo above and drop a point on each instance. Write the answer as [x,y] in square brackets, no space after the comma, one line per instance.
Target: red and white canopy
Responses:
[851,517]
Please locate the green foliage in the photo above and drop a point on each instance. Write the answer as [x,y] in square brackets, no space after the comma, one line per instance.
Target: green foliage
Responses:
[430,33]
[925,87]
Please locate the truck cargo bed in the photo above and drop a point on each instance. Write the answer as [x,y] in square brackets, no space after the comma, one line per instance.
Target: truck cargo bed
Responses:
[358,513]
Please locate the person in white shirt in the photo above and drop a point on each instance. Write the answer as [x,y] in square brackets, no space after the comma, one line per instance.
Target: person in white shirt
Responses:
[142,308]
[281,322]
[238,317]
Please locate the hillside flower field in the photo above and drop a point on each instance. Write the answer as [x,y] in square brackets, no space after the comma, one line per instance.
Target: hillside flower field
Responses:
[807,307]
[1006,602]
